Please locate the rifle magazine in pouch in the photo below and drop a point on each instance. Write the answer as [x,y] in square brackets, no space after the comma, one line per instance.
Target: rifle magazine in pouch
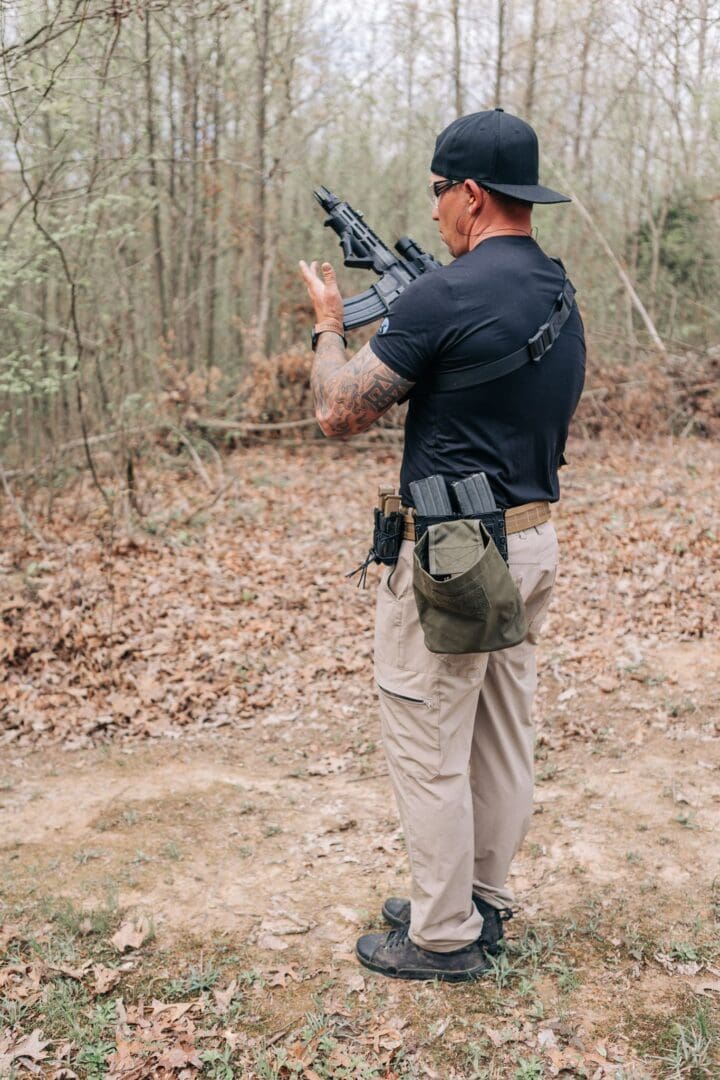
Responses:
[493,520]
[387,537]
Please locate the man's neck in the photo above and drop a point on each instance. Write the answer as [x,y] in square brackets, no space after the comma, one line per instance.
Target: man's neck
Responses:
[519,224]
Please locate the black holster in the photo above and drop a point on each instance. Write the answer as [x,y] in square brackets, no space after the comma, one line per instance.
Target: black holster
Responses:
[387,537]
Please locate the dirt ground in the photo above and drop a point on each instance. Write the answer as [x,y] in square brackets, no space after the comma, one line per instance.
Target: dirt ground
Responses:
[190,737]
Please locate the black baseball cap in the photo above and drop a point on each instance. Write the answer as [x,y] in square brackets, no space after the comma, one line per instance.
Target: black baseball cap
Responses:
[498,150]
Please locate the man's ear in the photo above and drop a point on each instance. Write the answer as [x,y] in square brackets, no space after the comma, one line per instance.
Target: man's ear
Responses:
[475,195]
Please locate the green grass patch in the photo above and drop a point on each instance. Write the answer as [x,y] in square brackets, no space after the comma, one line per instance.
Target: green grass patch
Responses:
[691,1047]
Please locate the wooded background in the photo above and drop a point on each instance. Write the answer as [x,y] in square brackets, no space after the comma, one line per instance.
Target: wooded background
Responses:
[158,160]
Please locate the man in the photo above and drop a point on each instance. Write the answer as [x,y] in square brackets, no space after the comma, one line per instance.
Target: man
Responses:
[457,729]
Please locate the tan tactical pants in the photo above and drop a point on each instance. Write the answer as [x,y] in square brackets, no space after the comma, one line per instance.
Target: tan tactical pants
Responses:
[458,737]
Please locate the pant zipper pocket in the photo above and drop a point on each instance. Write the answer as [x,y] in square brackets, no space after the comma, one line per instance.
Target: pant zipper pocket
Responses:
[404,697]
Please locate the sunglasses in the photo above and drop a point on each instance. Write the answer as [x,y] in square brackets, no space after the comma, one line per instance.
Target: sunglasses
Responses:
[439,187]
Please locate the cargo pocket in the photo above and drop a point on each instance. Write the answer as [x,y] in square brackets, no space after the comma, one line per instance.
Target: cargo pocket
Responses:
[411,724]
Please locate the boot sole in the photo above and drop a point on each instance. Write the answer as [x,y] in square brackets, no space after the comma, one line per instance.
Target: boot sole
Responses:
[425,974]
[491,950]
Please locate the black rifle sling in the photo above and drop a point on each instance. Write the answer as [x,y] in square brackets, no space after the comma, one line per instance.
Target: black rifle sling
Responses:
[532,351]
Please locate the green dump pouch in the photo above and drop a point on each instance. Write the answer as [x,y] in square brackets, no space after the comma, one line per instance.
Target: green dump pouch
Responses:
[466,598]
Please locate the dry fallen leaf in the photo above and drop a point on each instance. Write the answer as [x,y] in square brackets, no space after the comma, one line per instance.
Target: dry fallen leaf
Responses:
[679,967]
[224,997]
[23,982]
[691,967]
[327,765]
[564,1060]
[269,941]
[233,1038]
[131,934]
[179,1057]
[72,973]
[171,1011]
[606,683]
[546,1038]
[105,978]
[284,926]
[281,974]
[9,932]
[355,983]
[349,914]
[63,1049]
[32,1047]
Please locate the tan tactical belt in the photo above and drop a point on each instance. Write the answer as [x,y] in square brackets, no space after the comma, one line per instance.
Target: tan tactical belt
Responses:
[517,518]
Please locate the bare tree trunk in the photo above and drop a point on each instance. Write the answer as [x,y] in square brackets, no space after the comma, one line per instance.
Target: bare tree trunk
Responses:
[197,200]
[45,309]
[214,198]
[171,119]
[657,228]
[678,56]
[188,297]
[152,164]
[173,241]
[410,52]
[699,89]
[238,248]
[260,255]
[532,60]
[500,55]
[457,57]
[582,89]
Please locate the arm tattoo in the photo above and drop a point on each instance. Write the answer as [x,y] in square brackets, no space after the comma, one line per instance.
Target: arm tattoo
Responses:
[351,395]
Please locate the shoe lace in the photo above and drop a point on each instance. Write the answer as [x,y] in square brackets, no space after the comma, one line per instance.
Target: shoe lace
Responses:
[397,938]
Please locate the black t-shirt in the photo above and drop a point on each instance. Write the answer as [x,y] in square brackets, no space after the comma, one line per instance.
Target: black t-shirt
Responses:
[481,307]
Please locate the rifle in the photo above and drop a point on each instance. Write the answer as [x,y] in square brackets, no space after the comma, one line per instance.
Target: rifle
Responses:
[364,250]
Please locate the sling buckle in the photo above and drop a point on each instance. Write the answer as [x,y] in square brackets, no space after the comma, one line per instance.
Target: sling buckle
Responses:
[540,342]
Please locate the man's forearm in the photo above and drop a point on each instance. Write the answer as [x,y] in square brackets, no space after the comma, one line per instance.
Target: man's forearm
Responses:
[351,395]
[329,359]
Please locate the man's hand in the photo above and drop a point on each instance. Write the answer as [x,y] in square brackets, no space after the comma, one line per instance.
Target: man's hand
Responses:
[324,292]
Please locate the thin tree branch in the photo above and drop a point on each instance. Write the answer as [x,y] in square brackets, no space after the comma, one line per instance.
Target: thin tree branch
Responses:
[22,516]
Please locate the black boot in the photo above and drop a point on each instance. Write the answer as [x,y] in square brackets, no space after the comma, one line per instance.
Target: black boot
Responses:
[396,911]
[396,956]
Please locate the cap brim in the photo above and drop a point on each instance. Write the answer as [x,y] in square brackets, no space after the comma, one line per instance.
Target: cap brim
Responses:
[534,193]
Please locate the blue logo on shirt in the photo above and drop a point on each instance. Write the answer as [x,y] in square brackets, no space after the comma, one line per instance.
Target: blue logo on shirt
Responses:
[384,326]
